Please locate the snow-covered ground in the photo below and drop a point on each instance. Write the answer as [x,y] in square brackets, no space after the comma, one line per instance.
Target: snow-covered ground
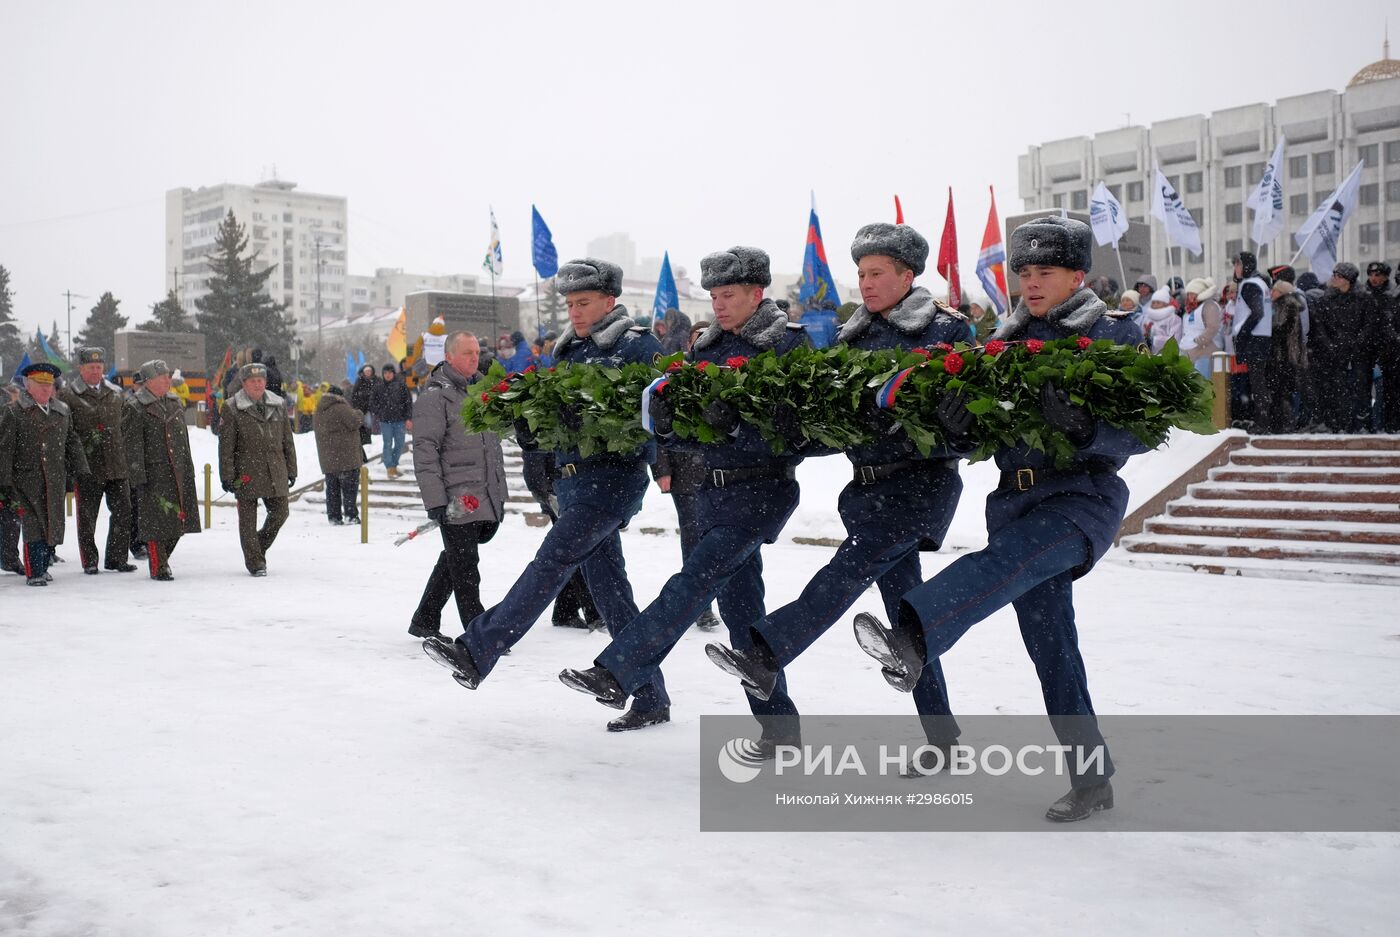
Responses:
[224,755]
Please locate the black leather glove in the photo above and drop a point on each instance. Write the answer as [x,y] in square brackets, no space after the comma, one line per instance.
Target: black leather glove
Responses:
[523,435]
[786,422]
[438,514]
[952,414]
[882,422]
[722,416]
[663,415]
[1074,422]
[227,486]
[571,418]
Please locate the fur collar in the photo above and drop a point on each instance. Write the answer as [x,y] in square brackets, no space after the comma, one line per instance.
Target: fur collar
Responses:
[242,401]
[764,330]
[911,316]
[606,332]
[83,387]
[1076,314]
[27,402]
[145,398]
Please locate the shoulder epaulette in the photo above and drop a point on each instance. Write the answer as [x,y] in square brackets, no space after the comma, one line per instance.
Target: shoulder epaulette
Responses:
[949,310]
[797,325]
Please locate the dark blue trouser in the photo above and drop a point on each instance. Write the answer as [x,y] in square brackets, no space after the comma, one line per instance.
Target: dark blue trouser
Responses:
[724,563]
[586,534]
[1028,564]
[36,558]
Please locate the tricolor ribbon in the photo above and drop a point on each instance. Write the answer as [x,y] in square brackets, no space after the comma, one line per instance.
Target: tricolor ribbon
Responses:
[885,398]
[655,387]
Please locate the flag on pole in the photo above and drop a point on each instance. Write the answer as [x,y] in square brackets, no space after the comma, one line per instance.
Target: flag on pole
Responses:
[667,296]
[1267,199]
[54,358]
[1167,207]
[1107,217]
[350,367]
[1319,234]
[397,343]
[492,261]
[361,363]
[898,211]
[948,256]
[221,372]
[818,289]
[23,363]
[991,262]
[545,256]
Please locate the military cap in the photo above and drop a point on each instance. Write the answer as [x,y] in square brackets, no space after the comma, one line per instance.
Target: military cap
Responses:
[1378,266]
[738,265]
[1052,241]
[41,372]
[897,241]
[252,370]
[588,273]
[91,354]
[152,369]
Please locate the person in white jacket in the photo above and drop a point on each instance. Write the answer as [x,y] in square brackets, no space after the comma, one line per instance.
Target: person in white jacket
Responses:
[1162,321]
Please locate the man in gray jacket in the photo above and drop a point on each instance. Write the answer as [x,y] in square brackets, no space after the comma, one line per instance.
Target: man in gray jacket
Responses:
[462,480]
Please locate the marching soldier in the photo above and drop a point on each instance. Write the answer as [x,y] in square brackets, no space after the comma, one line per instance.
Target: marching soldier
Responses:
[99,414]
[39,452]
[257,460]
[9,520]
[160,468]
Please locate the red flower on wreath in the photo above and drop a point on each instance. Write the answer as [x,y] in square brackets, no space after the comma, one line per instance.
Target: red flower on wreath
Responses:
[485,398]
[922,351]
[502,387]
[1034,345]
[551,370]
[531,368]
[470,503]
[994,347]
[1084,342]
[943,346]
[953,363]
[702,365]
[675,366]
[738,361]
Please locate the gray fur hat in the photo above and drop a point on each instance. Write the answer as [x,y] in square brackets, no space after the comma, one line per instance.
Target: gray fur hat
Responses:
[737,265]
[1052,241]
[91,354]
[153,369]
[897,241]
[1347,271]
[588,273]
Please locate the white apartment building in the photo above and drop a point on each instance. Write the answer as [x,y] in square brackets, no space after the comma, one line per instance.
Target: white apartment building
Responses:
[389,286]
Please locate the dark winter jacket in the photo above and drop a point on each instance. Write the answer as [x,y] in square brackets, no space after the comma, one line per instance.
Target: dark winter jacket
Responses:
[256,444]
[1342,329]
[1289,348]
[449,462]
[362,394]
[1387,324]
[99,415]
[39,451]
[392,402]
[337,427]
[160,467]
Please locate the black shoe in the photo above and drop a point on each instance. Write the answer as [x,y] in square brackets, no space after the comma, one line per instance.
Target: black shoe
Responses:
[929,761]
[12,568]
[632,719]
[260,572]
[48,576]
[423,631]
[36,581]
[755,668]
[89,570]
[120,567]
[595,624]
[709,621]
[455,658]
[894,649]
[1080,802]
[766,748]
[355,519]
[597,683]
[337,521]
[139,552]
[571,621]
[164,575]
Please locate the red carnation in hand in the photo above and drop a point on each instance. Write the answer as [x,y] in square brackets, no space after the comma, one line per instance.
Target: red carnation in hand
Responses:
[502,387]
[994,347]
[101,428]
[245,479]
[1085,342]
[485,398]
[470,503]
[953,363]
[1034,345]
[737,361]
[181,515]
[923,351]
[943,346]
[675,366]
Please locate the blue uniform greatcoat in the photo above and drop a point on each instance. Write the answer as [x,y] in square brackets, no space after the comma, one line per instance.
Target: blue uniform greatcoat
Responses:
[596,497]
[735,521]
[888,521]
[1045,527]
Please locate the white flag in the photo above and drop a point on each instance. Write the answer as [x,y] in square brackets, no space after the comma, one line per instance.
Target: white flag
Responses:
[1107,217]
[492,261]
[1267,199]
[1167,208]
[1318,236]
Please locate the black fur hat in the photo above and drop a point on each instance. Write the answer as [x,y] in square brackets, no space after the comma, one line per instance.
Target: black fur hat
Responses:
[588,273]
[747,265]
[1052,241]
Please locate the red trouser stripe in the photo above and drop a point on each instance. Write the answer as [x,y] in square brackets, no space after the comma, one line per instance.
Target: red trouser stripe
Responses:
[28,570]
[153,556]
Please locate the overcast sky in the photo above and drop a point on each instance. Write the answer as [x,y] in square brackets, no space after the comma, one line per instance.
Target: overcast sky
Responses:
[692,126]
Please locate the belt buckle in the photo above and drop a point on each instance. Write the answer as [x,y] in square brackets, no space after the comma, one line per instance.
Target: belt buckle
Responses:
[717,478]
[1025,479]
[867,475]
[568,470]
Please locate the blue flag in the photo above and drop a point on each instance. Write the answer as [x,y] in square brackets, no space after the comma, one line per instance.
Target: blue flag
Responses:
[818,290]
[23,363]
[54,358]
[362,362]
[350,367]
[546,257]
[667,296]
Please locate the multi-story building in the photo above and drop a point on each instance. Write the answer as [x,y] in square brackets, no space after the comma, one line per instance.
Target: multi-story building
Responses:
[1215,162]
[389,285]
[298,232]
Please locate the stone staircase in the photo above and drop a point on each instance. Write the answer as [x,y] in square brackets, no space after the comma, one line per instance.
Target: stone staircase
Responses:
[1286,507]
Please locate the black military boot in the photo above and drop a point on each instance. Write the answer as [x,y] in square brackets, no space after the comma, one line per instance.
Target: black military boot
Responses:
[766,748]
[597,683]
[90,570]
[929,760]
[455,658]
[635,719]
[120,567]
[427,631]
[36,581]
[570,621]
[1080,802]
[893,648]
[709,621]
[755,668]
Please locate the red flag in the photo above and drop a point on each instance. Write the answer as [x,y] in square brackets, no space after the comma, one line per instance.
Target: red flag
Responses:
[898,211]
[948,256]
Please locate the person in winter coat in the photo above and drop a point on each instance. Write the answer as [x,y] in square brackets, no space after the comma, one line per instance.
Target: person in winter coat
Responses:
[677,332]
[99,418]
[748,496]
[1047,524]
[362,399]
[160,469]
[274,375]
[39,450]
[462,479]
[1130,310]
[1251,323]
[1163,324]
[1145,287]
[1200,324]
[1386,298]
[1339,347]
[257,461]
[1288,357]
[337,427]
[597,495]
[393,407]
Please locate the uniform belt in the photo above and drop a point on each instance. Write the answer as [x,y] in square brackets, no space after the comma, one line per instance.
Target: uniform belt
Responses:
[723,478]
[570,469]
[870,474]
[1024,479]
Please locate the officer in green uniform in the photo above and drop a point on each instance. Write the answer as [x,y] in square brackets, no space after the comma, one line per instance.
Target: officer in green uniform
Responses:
[257,460]
[160,468]
[99,415]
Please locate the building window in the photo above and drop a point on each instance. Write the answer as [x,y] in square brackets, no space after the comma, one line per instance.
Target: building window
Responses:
[1234,176]
[1196,215]
[1134,191]
[1195,181]
[1233,247]
[1323,163]
[1392,151]
[1174,256]
[1079,199]
[1392,232]
[287,217]
[1234,212]
[1370,154]
[1370,233]
[1371,194]
[1392,190]
[1057,200]
[1256,172]
[1116,191]
[1298,206]
[1298,167]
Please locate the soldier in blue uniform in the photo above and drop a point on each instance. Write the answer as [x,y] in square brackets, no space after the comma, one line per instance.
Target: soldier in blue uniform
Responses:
[747,497]
[898,501]
[597,495]
[1046,526]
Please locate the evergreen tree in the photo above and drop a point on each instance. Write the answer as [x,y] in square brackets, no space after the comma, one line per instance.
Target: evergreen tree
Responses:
[552,308]
[11,343]
[100,331]
[56,343]
[238,311]
[168,316]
